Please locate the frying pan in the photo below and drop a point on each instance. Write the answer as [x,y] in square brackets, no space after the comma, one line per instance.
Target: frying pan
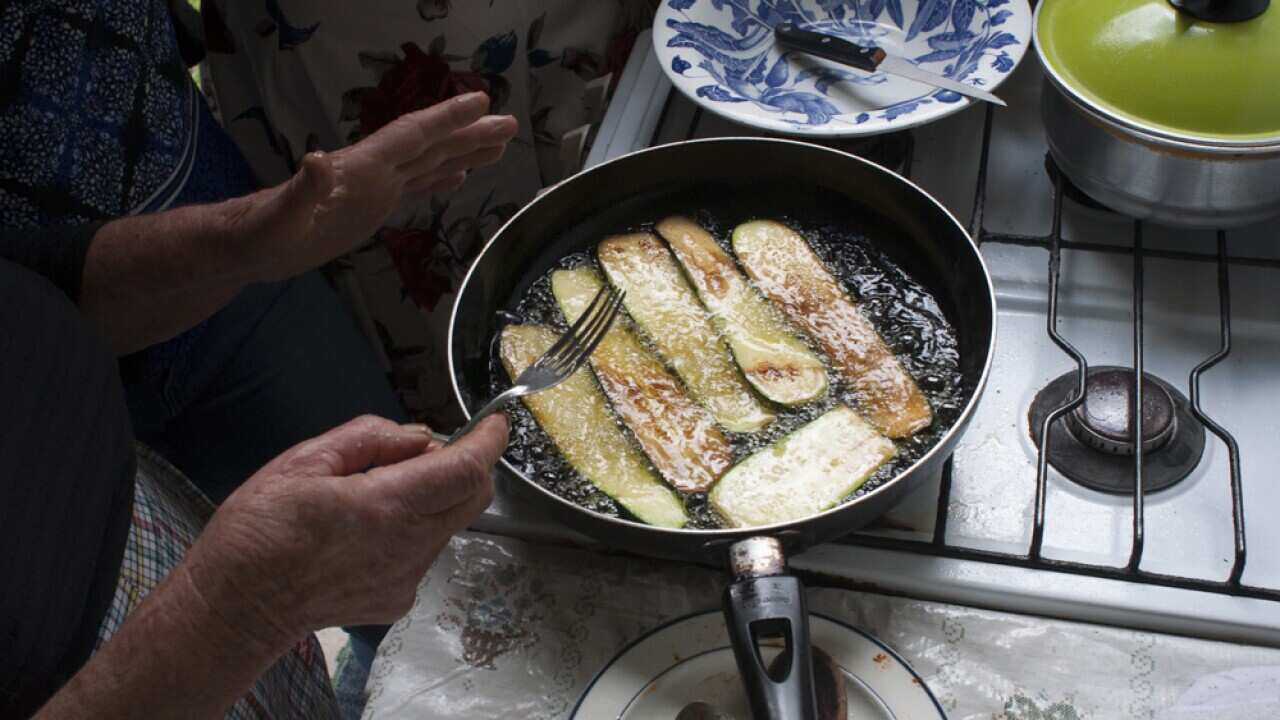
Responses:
[734,178]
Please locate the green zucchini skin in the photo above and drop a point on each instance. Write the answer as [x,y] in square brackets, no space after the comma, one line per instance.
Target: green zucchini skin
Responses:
[576,416]
[679,436]
[783,265]
[772,358]
[804,473]
[668,311]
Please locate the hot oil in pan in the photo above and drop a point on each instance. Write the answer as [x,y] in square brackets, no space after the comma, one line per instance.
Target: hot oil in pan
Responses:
[902,310]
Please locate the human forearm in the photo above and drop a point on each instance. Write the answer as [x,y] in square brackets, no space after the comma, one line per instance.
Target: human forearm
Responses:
[150,277]
[275,562]
[181,654]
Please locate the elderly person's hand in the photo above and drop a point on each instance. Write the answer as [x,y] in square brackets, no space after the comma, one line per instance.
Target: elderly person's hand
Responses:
[340,529]
[149,277]
[337,200]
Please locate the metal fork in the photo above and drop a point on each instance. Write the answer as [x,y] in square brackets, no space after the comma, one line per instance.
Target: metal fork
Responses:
[562,359]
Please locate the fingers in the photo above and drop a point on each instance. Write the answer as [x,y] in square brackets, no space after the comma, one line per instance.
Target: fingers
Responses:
[452,174]
[413,133]
[488,131]
[475,159]
[433,443]
[364,442]
[457,166]
[460,516]
[448,184]
[422,190]
[449,477]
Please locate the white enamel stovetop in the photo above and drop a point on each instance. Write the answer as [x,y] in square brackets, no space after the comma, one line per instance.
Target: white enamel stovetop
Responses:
[1188,528]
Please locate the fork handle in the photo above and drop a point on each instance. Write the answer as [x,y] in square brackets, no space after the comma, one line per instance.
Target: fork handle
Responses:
[490,408]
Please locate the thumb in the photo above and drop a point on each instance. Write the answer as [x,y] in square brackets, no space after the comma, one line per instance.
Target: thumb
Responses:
[437,481]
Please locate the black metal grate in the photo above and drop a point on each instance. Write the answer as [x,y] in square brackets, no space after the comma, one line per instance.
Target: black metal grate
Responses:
[1034,558]
[896,151]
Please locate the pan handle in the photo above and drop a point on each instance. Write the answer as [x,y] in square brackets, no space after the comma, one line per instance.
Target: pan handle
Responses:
[765,603]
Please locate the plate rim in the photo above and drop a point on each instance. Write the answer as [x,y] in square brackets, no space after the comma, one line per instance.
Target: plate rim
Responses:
[817,132]
[901,661]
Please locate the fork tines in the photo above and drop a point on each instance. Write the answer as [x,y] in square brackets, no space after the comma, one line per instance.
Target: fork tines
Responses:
[575,346]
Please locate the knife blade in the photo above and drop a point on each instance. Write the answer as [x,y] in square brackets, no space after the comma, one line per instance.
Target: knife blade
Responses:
[869,59]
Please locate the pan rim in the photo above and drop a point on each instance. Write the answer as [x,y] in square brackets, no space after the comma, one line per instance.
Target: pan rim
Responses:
[713,536]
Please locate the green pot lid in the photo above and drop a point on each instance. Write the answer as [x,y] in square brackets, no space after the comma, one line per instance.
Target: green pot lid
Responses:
[1160,69]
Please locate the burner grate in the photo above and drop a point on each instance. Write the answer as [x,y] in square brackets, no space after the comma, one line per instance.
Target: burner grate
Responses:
[896,151]
[1034,557]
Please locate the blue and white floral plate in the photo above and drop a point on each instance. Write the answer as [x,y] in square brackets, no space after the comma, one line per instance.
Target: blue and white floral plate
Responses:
[721,53]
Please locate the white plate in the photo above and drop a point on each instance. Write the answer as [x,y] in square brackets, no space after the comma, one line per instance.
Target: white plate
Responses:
[690,659]
[721,53]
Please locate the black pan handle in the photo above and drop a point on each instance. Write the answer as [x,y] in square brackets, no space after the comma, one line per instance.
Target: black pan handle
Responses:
[828,47]
[764,602]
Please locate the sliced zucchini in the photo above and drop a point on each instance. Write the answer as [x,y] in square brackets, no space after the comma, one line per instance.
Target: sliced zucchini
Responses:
[576,416]
[772,358]
[661,302]
[786,269]
[678,435]
[804,473]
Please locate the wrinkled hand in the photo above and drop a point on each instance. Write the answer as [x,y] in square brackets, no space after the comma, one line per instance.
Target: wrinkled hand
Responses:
[337,200]
[340,529]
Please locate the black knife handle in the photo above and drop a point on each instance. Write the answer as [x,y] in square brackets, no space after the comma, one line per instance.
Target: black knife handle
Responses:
[829,47]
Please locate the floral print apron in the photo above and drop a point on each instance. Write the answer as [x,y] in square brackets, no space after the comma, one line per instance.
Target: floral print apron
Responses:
[290,76]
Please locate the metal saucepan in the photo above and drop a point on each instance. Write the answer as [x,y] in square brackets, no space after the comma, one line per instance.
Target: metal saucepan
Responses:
[777,176]
[1156,178]
[1177,160]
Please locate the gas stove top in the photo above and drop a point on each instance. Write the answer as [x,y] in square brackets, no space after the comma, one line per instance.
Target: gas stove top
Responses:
[1077,287]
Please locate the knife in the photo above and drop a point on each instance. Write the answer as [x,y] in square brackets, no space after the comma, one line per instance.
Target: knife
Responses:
[869,59]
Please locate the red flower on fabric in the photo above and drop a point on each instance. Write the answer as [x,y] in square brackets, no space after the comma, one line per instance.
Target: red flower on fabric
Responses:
[412,252]
[418,81]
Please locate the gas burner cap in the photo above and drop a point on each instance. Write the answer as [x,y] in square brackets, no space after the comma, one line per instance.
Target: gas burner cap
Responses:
[1093,445]
[1104,420]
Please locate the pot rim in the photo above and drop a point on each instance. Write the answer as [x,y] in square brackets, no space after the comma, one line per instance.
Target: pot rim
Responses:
[1138,129]
[719,535]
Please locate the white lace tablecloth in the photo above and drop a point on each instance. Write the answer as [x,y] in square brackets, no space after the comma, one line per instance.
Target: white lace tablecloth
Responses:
[507,629]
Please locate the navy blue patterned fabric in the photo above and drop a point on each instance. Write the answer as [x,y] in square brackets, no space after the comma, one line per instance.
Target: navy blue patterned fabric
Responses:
[99,118]
[218,171]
